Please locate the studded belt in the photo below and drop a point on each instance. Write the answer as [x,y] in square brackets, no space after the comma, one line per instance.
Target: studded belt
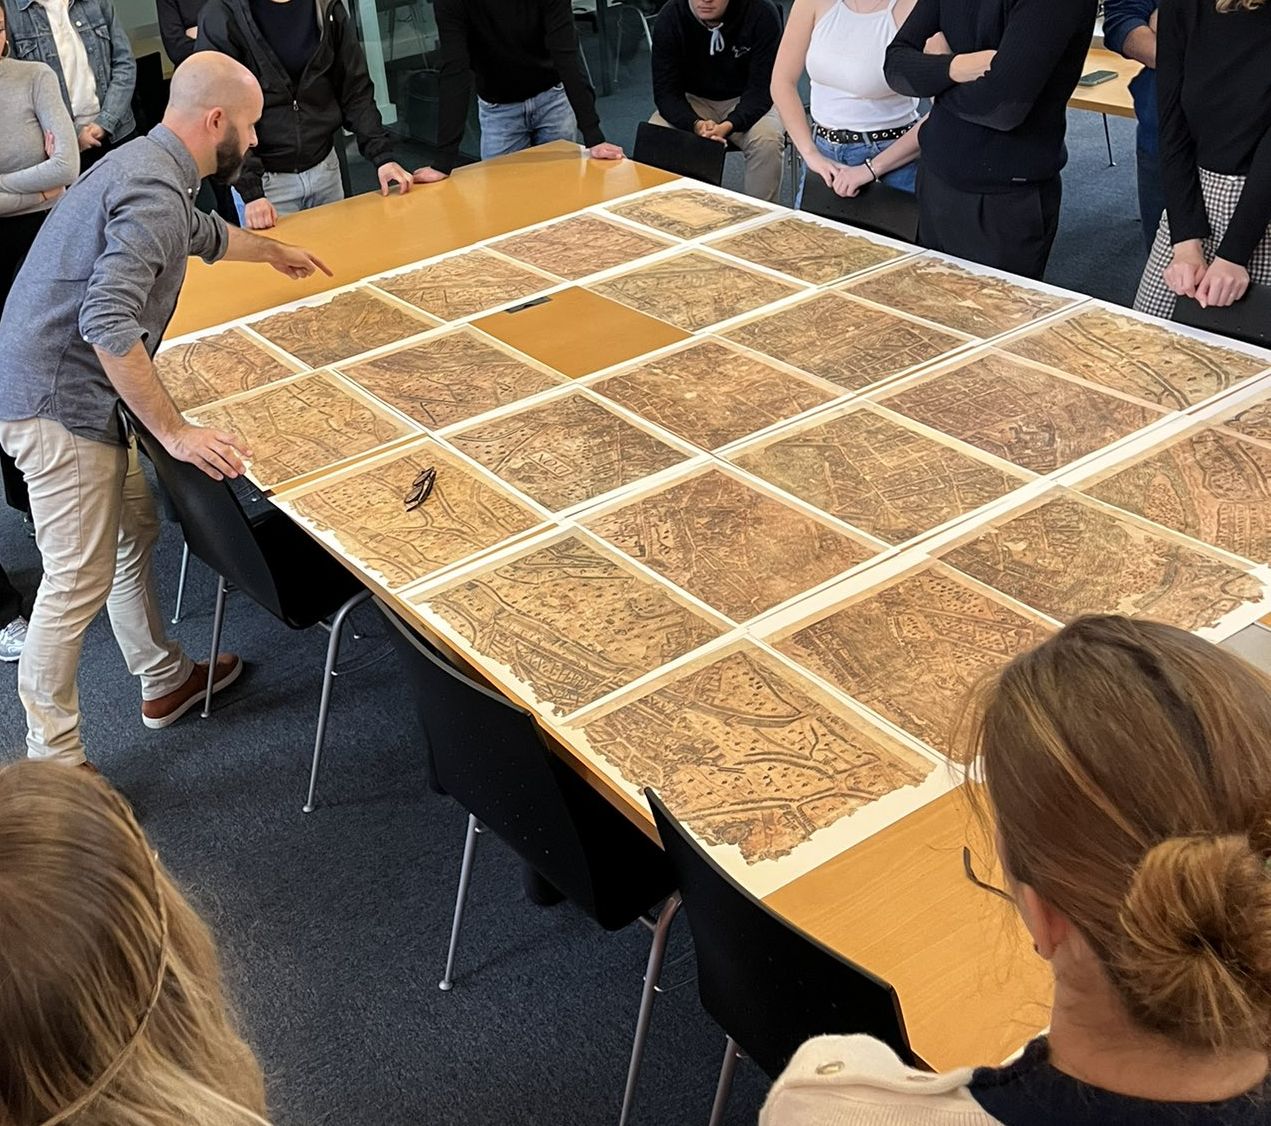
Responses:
[851,137]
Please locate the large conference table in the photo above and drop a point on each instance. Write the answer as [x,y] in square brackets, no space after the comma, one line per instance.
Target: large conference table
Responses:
[899,903]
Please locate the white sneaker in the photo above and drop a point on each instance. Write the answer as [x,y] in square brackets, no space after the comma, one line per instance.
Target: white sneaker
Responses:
[12,638]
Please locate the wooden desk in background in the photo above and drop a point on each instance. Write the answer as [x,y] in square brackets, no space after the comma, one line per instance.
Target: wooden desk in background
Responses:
[970,986]
[1111,97]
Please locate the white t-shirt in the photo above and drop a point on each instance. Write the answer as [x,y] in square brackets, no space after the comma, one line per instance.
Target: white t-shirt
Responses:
[73,55]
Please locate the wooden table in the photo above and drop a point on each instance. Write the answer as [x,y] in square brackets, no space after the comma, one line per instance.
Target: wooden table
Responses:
[1111,97]
[899,903]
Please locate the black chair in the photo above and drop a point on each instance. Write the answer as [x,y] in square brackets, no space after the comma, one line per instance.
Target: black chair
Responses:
[680,152]
[768,985]
[234,529]
[1249,319]
[490,756]
[877,207]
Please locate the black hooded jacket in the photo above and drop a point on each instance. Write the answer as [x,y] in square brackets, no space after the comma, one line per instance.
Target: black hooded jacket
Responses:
[299,122]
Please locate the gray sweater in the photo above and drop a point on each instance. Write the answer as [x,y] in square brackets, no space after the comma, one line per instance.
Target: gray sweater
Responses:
[31,105]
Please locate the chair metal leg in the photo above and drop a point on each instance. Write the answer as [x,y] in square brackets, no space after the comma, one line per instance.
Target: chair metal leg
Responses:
[1107,137]
[725,1085]
[185,570]
[328,678]
[652,975]
[461,899]
[217,618]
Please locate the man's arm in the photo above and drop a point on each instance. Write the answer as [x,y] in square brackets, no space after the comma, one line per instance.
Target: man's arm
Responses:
[669,86]
[909,70]
[116,99]
[1252,216]
[1126,29]
[172,30]
[294,261]
[215,34]
[562,45]
[456,82]
[756,99]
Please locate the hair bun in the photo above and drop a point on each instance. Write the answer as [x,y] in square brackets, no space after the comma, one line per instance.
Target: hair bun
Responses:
[1196,962]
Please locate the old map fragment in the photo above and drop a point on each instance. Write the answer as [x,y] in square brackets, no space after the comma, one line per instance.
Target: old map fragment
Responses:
[737,549]
[1141,359]
[464,284]
[977,304]
[580,245]
[302,426]
[693,290]
[1252,422]
[569,622]
[1067,557]
[876,474]
[749,754]
[844,341]
[913,650]
[1209,485]
[711,394]
[215,367]
[348,324]
[366,516]
[449,378]
[686,212]
[565,451]
[1022,413]
[805,250]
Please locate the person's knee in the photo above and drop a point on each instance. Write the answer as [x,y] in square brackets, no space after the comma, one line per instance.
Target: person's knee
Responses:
[764,141]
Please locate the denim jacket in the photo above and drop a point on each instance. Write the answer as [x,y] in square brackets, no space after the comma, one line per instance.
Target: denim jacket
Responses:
[109,54]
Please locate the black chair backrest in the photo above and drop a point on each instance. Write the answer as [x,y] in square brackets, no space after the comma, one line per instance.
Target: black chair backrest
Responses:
[877,207]
[214,524]
[1249,319]
[488,754]
[680,152]
[766,983]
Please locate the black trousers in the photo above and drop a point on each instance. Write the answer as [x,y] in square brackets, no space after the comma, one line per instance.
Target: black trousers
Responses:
[10,600]
[1011,230]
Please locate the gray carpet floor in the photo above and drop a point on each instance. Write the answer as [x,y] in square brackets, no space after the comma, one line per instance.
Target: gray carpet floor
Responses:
[334,925]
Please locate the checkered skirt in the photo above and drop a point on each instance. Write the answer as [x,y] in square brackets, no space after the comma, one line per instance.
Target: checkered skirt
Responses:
[1221,193]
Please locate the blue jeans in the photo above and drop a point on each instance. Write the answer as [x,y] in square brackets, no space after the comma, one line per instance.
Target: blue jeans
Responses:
[512,126]
[903,178]
[290,192]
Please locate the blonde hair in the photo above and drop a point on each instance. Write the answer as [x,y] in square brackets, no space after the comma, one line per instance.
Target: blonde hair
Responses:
[112,1011]
[1128,765]
[1239,5]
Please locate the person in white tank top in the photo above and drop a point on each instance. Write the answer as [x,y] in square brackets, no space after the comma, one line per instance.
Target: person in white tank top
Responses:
[862,129]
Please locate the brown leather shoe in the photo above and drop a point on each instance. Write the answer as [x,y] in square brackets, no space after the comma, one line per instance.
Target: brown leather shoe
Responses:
[166,710]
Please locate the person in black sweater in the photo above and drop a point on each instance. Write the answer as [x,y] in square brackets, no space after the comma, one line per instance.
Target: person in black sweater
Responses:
[531,88]
[312,72]
[712,73]
[1214,95]
[1001,74]
[179,27]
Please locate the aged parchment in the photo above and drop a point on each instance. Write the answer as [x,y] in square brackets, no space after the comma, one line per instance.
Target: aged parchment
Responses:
[686,212]
[214,367]
[348,324]
[464,284]
[580,245]
[809,251]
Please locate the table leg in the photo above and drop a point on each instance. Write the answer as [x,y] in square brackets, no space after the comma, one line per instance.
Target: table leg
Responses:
[1107,136]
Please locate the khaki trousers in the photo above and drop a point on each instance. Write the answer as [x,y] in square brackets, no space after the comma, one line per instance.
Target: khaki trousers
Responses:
[96,527]
[761,144]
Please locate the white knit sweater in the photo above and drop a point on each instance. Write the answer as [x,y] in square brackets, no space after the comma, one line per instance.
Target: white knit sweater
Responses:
[859,1081]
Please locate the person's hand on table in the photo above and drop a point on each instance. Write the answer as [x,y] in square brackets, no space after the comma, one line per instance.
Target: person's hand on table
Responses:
[218,453]
[1187,269]
[969,67]
[1224,284]
[429,175]
[391,173]
[850,178]
[260,215]
[91,136]
[605,151]
[295,261]
[823,166]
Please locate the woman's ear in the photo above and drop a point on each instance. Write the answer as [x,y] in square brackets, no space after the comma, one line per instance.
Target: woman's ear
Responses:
[1048,927]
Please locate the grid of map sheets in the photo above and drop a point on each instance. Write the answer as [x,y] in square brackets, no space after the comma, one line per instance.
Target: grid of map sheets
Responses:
[756,569]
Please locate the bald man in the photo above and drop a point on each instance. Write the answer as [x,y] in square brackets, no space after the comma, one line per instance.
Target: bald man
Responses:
[83,320]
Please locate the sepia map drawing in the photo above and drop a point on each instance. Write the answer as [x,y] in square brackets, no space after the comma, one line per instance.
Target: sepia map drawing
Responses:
[686,212]
[710,394]
[348,324]
[1141,359]
[1210,486]
[913,650]
[876,474]
[364,516]
[1252,422]
[1021,413]
[1067,558]
[974,303]
[850,344]
[449,378]
[806,250]
[748,754]
[737,549]
[464,284]
[565,451]
[693,290]
[580,245]
[215,367]
[569,623]
[302,426]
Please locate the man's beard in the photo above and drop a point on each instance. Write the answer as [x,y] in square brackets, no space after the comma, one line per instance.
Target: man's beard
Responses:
[229,158]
